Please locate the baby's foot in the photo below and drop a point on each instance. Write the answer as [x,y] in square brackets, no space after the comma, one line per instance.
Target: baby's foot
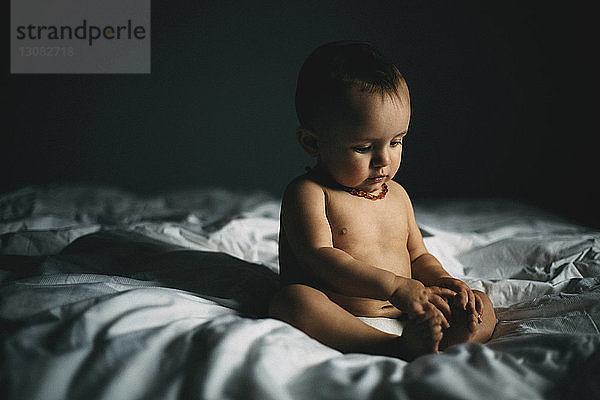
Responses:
[421,335]
[459,331]
[465,326]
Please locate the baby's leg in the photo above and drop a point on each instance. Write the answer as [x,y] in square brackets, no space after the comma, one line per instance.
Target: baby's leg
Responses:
[311,311]
[462,322]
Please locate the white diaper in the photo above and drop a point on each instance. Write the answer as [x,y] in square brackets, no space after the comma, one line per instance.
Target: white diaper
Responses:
[387,325]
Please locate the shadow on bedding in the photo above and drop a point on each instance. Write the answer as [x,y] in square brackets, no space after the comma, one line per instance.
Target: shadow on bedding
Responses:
[135,256]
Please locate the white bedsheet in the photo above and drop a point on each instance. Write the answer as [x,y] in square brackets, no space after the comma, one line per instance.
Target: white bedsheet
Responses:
[108,295]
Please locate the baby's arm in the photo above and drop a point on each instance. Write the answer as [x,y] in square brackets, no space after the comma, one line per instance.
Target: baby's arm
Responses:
[309,235]
[427,269]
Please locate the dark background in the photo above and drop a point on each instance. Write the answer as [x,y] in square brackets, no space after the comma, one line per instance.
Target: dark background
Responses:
[502,95]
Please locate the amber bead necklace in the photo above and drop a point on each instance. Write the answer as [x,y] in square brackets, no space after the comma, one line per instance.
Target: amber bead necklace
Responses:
[366,195]
[361,193]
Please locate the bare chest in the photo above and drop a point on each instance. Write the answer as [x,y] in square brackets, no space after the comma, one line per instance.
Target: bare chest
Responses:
[373,231]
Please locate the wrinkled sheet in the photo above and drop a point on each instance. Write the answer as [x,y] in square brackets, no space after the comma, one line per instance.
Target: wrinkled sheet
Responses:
[105,294]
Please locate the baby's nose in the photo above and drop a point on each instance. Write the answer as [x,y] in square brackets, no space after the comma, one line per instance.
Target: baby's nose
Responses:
[381,159]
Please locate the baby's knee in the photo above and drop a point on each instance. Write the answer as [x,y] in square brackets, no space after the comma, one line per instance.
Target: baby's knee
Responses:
[486,302]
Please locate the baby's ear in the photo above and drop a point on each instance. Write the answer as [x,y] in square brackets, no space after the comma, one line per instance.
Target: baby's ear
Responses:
[308,141]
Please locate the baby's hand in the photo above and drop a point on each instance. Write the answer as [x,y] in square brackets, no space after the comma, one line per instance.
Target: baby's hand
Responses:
[414,298]
[465,297]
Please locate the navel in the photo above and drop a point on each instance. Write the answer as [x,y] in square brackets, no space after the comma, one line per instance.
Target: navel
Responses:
[343,231]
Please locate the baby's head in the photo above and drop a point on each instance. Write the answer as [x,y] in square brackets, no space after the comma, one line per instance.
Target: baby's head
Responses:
[354,108]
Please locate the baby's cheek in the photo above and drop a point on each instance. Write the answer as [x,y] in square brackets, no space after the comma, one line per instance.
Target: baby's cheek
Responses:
[358,167]
[350,173]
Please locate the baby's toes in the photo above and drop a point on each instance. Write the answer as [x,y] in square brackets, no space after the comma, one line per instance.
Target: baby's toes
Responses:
[434,319]
[437,333]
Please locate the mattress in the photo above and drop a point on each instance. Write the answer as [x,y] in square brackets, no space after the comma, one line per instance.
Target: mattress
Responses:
[109,294]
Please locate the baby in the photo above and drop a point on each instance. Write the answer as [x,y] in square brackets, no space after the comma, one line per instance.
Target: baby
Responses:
[355,272]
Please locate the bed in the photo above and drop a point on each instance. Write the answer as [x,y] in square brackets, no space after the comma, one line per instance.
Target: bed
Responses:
[109,294]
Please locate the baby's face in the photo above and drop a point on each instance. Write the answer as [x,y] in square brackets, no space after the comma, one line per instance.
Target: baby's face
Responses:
[362,146]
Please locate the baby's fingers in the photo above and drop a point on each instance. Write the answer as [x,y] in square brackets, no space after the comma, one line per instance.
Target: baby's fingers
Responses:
[443,307]
[472,305]
[443,321]
[416,309]
[435,318]
[463,300]
[443,292]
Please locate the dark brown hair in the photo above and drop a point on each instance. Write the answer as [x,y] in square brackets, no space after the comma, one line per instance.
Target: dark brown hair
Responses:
[332,69]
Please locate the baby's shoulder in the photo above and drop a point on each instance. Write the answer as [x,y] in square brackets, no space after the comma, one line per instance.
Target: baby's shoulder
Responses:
[301,184]
[398,190]
[302,189]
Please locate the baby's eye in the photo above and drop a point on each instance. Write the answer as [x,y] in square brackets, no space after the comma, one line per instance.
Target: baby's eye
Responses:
[362,149]
[397,142]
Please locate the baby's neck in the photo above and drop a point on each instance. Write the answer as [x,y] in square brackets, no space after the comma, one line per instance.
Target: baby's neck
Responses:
[319,174]
[369,196]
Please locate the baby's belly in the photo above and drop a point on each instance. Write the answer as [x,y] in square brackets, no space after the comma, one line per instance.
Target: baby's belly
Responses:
[391,259]
[364,307]
[391,256]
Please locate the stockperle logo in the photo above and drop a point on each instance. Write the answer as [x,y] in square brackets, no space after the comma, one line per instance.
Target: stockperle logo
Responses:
[80,36]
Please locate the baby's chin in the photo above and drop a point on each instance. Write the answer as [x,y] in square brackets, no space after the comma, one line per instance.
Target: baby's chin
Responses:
[367,184]
[375,184]
[370,186]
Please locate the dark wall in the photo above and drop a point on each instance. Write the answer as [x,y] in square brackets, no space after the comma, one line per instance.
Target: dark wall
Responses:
[501,101]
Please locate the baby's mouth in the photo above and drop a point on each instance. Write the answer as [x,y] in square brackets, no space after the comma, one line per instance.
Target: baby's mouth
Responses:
[378,178]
